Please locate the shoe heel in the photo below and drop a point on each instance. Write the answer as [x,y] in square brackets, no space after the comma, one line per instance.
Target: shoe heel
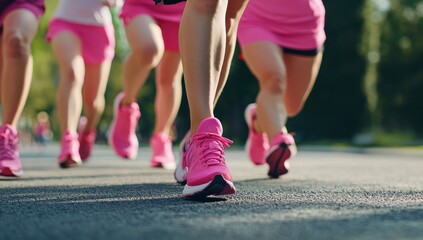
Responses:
[218,186]
[277,161]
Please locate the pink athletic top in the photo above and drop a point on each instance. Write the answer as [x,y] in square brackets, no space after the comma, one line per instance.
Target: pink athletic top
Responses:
[90,12]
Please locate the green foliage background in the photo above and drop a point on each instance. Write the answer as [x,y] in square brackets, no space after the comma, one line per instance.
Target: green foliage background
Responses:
[370,80]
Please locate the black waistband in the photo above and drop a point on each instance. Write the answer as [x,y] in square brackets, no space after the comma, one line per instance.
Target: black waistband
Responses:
[308,52]
[168,2]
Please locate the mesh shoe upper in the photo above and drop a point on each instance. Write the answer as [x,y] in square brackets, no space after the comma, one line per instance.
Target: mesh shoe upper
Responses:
[257,143]
[86,143]
[205,156]
[162,154]
[69,148]
[10,164]
[123,138]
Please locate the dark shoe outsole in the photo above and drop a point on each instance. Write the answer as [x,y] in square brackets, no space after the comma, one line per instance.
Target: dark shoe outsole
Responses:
[277,160]
[7,172]
[183,183]
[69,163]
[219,186]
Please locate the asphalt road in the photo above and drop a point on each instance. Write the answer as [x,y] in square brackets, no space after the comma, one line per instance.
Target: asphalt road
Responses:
[327,195]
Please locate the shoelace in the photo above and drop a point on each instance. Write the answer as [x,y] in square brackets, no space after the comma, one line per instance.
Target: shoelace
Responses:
[8,146]
[130,117]
[211,147]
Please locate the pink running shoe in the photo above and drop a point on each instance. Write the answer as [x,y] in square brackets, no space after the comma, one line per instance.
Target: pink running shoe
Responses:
[181,167]
[86,143]
[69,153]
[257,143]
[122,136]
[282,149]
[10,164]
[207,170]
[162,156]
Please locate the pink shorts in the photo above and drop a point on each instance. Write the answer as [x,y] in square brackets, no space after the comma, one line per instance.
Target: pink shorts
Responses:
[6,6]
[97,42]
[168,17]
[291,24]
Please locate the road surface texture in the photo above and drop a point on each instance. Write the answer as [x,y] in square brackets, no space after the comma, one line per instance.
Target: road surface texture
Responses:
[326,195]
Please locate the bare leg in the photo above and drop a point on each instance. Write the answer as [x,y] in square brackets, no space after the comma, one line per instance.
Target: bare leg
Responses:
[266,62]
[169,91]
[66,47]
[96,76]
[202,54]
[147,47]
[19,30]
[233,15]
[285,82]
[203,48]
[301,75]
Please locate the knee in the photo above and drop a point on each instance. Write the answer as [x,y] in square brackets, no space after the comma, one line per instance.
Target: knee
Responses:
[71,75]
[148,55]
[97,102]
[163,83]
[170,82]
[16,45]
[274,83]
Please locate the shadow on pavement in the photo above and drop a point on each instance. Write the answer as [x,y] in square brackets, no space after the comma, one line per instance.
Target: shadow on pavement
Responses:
[294,210]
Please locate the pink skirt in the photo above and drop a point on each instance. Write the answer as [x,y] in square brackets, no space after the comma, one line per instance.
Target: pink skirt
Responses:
[6,6]
[292,24]
[97,42]
[167,17]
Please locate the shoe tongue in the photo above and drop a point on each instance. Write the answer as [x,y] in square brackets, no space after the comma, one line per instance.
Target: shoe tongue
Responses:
[210,125]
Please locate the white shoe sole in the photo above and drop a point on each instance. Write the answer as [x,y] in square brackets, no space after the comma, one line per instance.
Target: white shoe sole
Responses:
[218,186]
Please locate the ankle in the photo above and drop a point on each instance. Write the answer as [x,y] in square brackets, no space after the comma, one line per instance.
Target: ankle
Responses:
[256,126]
[126,101]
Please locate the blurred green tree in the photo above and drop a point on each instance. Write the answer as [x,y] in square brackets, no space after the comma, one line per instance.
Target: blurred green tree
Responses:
[336,108]
[401,73]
